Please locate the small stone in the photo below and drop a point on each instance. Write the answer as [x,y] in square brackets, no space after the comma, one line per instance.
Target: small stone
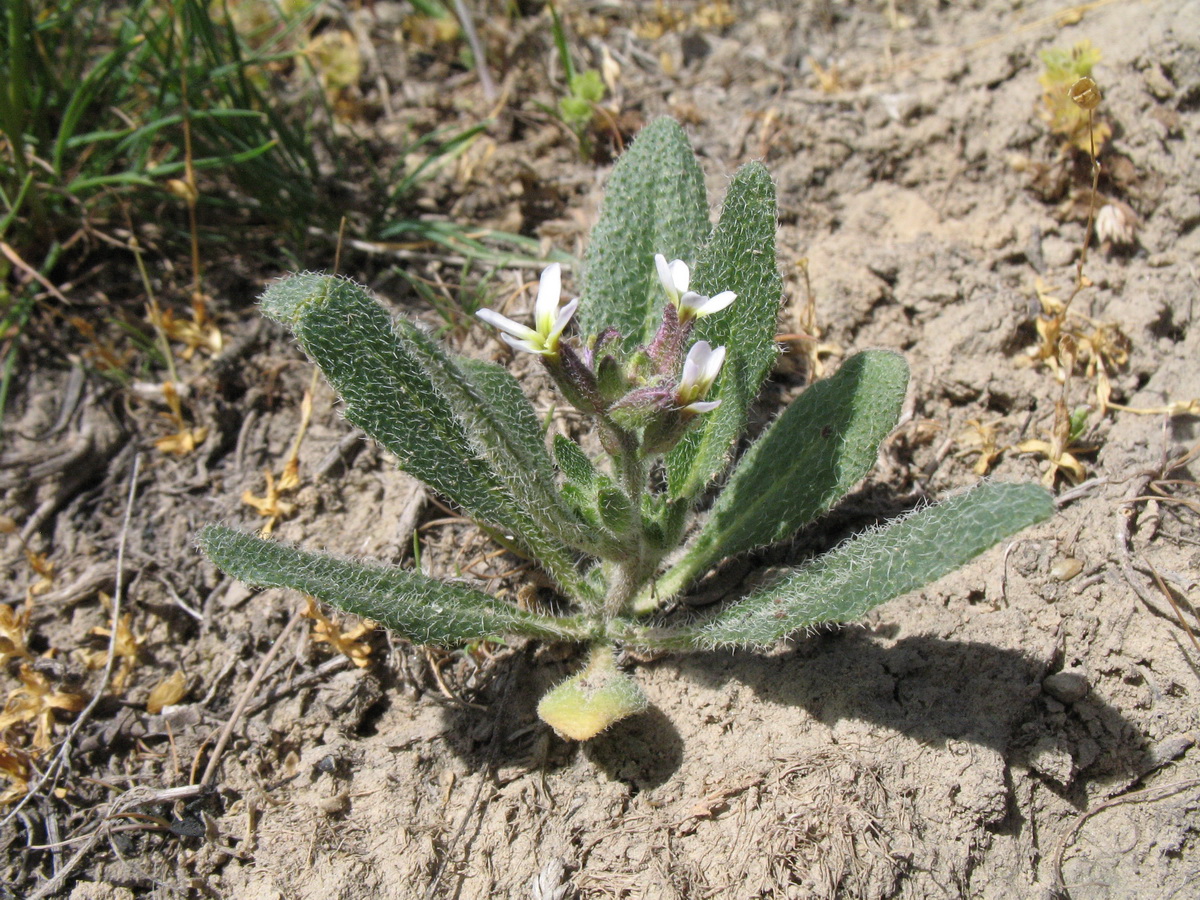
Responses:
[100,890]
[1157,83]
[1066,568]
[1050,757]
[1066,687]
[334,805]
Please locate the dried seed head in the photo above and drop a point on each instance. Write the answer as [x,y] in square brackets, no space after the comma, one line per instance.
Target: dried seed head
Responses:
[1116,222]
[1085,94]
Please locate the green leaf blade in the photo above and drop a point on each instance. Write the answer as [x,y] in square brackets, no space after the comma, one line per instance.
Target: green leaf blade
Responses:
[740,258]
[655,202]
[573,462]
[879,565]
[503,429]
[809,458]
[386,394]
[432,415]
[421,609]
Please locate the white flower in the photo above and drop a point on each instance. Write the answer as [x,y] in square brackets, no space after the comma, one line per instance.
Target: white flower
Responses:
[549,321]
[675,278]
[700,370]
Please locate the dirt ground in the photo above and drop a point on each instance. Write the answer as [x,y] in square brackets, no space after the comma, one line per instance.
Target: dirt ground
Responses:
[1022,728]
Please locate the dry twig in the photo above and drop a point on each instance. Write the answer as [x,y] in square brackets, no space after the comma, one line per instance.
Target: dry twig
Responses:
[214,761]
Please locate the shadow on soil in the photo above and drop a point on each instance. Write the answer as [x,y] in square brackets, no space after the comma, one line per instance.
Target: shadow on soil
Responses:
[930,689]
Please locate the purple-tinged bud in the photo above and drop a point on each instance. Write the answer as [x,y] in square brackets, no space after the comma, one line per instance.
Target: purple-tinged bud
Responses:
[643,405]
[666,348]
[611,379]
[576,381]
[596,346]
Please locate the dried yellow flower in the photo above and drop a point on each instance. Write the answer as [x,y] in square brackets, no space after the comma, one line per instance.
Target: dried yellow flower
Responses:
[17,766]
[348,643]
[1085,94]
[35,701]
[14,634]
[167,692]
[125,647]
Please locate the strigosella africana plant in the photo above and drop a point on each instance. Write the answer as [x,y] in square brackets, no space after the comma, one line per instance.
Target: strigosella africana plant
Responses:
[662,354]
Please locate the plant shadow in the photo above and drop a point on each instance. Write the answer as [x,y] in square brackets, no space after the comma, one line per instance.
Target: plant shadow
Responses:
[930,689]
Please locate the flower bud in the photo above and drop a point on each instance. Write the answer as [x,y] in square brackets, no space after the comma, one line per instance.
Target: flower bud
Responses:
[576,381]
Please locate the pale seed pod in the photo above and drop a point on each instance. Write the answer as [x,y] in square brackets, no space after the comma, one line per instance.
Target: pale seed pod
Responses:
[1085,94]
[1117,222]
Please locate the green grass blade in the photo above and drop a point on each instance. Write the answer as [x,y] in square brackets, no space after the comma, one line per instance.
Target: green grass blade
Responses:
[445,151]
[83,98]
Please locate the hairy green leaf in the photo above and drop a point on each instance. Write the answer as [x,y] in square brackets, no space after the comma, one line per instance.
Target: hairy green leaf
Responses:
[421,609]
[740,258]
[809,458]
[573,462]
[463,430]
[503,429]
[616,511]
[877,566]
[655,202]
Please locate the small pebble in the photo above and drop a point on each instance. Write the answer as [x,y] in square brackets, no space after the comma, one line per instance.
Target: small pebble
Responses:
[1066,568]
[334,805]
[1066,687]
[1170,748]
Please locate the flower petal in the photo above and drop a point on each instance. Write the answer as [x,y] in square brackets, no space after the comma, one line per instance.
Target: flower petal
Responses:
[527,346]
[700,370]
[681,276]
[549,290]
[564,316]
[715,304]
[664,276]
[674,275]
[702,406]
[712,367]
[693,365]
[505,324]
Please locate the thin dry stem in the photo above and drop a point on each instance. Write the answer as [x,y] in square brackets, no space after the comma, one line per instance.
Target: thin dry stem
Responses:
[214,761]
[1087,231]
[1166,591]
[1148,795]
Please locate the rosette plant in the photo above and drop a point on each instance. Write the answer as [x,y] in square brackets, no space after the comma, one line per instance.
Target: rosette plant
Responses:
[662,354]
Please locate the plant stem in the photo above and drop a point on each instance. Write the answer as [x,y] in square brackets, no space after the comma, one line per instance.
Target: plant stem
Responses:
[632,467]
[629,572]
[623,584]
